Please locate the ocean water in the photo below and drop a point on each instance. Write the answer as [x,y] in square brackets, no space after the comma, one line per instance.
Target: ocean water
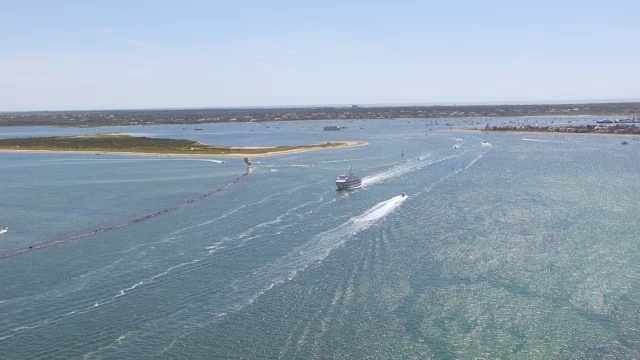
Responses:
[527,248]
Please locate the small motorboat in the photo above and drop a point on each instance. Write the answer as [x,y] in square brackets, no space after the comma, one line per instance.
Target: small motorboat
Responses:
[4,230]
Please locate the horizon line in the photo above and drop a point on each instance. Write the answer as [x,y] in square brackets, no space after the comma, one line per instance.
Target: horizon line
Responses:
[351,105]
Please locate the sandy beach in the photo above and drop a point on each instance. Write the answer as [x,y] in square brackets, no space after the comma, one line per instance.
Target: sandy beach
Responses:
[346,144]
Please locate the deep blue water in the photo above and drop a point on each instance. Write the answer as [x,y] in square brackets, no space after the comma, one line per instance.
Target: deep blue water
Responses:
[524,249]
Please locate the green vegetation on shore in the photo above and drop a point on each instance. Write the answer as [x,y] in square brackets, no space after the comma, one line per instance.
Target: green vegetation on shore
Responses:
[133,144]
[200,116]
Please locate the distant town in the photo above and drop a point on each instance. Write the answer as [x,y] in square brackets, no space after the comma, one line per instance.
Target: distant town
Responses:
[224,115]
[617,129]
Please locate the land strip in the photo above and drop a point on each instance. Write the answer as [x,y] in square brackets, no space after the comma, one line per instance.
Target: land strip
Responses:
[338,113]
[133,145]
[617,129]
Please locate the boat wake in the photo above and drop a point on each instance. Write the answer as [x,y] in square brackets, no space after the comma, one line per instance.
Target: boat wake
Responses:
[474,161]
[245,291]
[400,170]
[452,173]
[539,140]
[55,319]
[378,211]
[286,268]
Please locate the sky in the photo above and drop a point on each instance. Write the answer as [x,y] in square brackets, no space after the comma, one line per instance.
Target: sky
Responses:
[82,55]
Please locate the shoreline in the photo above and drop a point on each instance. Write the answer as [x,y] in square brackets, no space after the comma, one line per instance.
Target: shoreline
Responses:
[538,132]
[314,147]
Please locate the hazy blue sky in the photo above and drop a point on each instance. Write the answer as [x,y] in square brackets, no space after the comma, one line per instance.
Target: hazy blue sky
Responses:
[147,54]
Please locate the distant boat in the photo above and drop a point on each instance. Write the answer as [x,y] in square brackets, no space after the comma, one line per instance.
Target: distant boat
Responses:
[348,181]
[605,121]
[334,128]
[4,230]
[624,143]
[633,120]
[197,129]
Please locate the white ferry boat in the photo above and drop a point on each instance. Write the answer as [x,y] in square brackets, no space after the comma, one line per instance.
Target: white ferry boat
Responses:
[348,181]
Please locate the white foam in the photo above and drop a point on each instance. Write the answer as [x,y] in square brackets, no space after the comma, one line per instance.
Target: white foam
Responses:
[380,210]
[317,249]
[249,233]
[400,170]
[474,161]
[84,310]
[539,140]
[215,161]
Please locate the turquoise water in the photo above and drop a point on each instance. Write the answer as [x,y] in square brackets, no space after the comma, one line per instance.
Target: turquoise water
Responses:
[525,249]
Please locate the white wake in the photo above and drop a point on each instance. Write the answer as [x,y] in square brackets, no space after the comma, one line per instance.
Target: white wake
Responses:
[379,211]
[400,170]
[540,140]
[316,250]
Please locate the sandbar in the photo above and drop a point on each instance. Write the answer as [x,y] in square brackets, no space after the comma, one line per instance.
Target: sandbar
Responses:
[344,144]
